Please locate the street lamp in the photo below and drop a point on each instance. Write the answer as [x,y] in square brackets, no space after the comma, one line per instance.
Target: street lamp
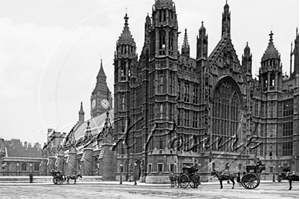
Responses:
[274,171]
[134,174]
[121,173]
[142,170]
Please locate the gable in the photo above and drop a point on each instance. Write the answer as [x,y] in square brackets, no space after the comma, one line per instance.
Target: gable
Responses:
[224,51]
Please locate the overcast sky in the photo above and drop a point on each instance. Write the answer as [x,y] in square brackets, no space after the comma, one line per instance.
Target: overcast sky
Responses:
[50,50]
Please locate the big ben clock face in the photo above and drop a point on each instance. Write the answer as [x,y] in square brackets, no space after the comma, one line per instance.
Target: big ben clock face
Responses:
[105,103]
[93,103]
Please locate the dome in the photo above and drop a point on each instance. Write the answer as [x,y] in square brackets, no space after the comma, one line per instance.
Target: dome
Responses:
[126,37]
[271,52]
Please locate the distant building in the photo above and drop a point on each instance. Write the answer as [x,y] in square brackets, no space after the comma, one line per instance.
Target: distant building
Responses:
[17,159]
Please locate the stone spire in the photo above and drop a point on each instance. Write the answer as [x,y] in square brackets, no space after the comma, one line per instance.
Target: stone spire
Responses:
[185,49]
[101,77]
[81,114]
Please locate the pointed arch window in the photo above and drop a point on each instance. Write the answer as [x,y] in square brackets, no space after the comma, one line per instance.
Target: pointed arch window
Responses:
[162,42]
[225,114]
[171,43]
[123,70]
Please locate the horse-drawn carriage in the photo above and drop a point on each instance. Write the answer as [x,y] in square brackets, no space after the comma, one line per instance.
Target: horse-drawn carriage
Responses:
[58,178]
[189,176]
[251,179]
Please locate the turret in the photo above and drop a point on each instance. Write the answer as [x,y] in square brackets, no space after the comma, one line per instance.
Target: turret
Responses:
[202,47]
[226,20]
[271,68]
[164,31]
[247,60]
[296,54]
[124,62]
[147,29]
[125,52]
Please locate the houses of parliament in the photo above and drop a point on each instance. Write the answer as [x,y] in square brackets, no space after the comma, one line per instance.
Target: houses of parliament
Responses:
[170,109]
[201,103]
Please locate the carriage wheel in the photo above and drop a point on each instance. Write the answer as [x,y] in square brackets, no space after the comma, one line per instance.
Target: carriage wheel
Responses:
[184,180]
[195,181]
[250,181]
[54,180]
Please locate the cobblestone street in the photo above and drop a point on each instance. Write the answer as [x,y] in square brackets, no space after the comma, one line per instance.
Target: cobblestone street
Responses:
[266,190]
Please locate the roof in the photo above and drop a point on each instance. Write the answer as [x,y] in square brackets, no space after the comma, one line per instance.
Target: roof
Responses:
[96,125]
[101,72]
[271,51]
[224,44]
[126,37]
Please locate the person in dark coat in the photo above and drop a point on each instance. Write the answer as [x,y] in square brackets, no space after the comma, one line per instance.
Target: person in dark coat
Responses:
[238,179]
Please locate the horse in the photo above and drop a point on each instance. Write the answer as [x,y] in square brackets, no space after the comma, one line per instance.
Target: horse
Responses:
[222,177]
[73,177]
[174,179]
[291,177]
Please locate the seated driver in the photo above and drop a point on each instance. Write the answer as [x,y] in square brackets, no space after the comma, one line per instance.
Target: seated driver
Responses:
[258,162]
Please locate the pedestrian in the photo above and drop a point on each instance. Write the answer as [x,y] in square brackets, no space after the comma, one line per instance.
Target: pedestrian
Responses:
[238,179]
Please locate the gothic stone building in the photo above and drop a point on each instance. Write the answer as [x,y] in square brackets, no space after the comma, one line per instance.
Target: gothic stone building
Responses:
[183,110]
[86,148]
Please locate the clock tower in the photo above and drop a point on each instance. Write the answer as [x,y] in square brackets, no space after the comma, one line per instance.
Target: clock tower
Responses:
[101,99]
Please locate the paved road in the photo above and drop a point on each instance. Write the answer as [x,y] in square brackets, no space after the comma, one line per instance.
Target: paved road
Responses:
[142,191]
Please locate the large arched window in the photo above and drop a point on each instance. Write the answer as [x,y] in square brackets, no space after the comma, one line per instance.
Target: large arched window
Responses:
[225,114]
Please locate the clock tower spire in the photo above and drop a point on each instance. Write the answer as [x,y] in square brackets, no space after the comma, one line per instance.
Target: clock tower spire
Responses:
[101,96]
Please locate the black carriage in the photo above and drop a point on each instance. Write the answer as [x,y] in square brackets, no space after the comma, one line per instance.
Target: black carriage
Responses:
[189,176]
[251,179]
[58,178]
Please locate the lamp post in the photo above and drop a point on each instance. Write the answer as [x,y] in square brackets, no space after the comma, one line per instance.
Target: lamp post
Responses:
[142,170]
[121,173]
[274,171]
[134,173]
[279,173]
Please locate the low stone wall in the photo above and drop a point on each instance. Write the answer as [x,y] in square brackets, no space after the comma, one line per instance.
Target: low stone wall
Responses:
[44,179]
[158,180]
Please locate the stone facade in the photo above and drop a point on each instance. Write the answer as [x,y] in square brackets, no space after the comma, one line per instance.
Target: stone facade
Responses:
[212,100]
[86,149]
[172,110]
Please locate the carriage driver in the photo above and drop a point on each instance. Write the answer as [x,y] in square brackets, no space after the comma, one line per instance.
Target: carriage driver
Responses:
[258,162]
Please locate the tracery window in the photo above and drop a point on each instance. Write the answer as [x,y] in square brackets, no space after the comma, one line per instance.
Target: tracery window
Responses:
[225,114]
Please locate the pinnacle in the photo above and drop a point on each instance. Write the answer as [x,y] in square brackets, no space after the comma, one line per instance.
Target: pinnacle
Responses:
[81,108]
[101,71]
